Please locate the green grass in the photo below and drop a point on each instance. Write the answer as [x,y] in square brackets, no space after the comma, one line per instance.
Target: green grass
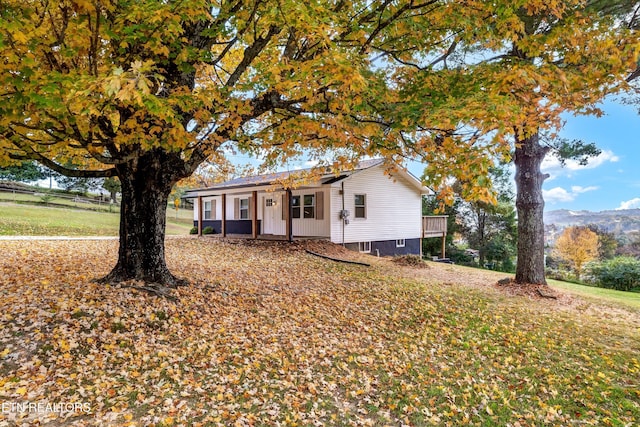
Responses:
[631,299]
[66,200]
[54,199]
[29,220]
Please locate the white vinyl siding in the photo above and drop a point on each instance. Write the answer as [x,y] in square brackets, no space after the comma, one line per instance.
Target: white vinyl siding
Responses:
[318,225]
[393,208]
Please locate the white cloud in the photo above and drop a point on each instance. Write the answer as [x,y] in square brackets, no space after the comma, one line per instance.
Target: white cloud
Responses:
[579,190]
[559,194]
[553,167]
[630,204]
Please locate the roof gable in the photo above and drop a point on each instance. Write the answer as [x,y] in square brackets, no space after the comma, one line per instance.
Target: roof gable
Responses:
[329,178]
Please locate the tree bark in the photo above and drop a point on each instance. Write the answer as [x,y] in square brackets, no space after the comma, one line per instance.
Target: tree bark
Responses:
[530,206]
[146,183]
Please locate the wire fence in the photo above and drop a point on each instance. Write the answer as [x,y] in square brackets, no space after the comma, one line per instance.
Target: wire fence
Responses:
[52,198]
[102,203]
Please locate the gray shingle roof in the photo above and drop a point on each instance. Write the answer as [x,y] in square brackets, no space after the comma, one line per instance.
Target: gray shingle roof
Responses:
[271,178]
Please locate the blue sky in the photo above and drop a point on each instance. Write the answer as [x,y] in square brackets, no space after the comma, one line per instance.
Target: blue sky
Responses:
[609,181]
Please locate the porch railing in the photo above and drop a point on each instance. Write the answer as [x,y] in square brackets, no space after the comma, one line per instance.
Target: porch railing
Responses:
[434,226]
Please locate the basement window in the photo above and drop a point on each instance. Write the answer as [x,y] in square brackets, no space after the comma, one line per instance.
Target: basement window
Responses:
[364,247]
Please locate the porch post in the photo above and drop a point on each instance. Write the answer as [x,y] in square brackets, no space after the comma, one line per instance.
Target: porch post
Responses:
[254,218]
[444,241]
[289,223]
[223,231]
[200,216]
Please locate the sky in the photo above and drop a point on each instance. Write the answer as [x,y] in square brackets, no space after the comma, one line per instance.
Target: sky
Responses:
[609,181]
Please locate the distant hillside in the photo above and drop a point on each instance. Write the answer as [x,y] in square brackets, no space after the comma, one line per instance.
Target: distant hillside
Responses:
[616,221]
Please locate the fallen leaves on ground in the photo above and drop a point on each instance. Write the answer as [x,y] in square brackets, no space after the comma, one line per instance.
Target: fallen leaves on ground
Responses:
[269,335]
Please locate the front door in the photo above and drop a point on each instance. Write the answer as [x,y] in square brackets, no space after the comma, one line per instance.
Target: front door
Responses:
[268,217]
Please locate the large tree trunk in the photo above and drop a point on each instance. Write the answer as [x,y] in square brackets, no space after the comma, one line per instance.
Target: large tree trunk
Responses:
[146,184]
[530,205]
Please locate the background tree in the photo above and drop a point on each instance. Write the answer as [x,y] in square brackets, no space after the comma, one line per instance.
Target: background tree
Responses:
[24,172]
[629,245]
[112,185]
[607,241]
[79,184]
[491,228]
[577,246]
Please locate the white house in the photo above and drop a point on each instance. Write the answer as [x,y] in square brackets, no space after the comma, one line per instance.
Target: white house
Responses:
[364,209]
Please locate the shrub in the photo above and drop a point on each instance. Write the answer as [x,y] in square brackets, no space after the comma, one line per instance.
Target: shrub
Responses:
[208,230]
[621,273]
[194,230]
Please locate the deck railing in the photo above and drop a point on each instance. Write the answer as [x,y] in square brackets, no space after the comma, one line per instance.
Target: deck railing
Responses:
[434,226]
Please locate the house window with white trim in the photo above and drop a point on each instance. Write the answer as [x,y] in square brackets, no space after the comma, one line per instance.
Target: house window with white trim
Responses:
[360,206]
[400,243]
[295,206]
[364,247]
[207,210]
[244,208]
[309,206]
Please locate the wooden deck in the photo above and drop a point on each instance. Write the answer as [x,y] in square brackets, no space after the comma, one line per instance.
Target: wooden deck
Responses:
[434,226]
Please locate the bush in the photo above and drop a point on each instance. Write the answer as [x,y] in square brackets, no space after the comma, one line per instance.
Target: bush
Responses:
[620,273]
[194,230]
[208,230]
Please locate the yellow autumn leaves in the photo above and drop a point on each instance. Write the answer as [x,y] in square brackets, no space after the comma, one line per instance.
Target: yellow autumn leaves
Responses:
[268,335]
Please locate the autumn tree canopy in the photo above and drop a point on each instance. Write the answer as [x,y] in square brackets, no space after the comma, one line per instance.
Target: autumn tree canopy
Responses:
[510,71]
[147,91]
[577,246]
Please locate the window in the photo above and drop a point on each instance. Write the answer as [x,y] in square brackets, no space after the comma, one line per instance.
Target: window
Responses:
[364,247]
[309,206]
[295,203]
[400,243]
[269,202]
[207,210]
[360,206]
[244,208]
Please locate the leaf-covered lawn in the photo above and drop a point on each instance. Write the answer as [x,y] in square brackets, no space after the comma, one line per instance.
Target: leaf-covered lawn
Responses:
[270,335]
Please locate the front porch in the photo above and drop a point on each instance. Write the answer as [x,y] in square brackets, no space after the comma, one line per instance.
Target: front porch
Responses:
[265,215]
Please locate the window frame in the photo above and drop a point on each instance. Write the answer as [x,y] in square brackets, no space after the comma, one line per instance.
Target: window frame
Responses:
[296,208]
[362,206]
[364,247]
[401,243]
[244,209]
[309,210]
[207,213]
